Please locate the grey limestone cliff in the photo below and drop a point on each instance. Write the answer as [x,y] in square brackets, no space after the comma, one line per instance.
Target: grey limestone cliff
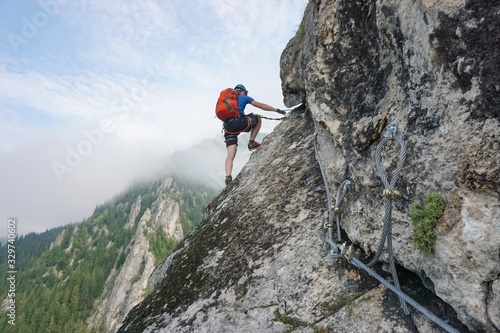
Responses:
[256,263]
[127,287]
[432,66]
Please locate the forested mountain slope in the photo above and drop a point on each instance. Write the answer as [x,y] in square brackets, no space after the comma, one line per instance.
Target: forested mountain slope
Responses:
[84,277]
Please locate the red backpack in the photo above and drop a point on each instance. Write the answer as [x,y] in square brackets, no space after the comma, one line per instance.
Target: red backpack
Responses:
[227,104]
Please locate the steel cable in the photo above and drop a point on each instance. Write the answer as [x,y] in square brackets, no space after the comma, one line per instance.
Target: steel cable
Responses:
[333,211]
[390,194]
[388,191]
[406,298]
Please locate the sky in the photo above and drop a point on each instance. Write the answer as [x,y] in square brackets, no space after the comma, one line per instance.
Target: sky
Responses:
[95,94]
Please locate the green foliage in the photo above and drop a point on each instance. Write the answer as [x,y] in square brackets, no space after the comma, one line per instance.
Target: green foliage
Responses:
[288,320]
[296,323]
[57,286]
[322,329]
[148,291]
[146,201]
[343,300]
[299,35]
[192,200]
[121,259]
[161,246]
[425,217]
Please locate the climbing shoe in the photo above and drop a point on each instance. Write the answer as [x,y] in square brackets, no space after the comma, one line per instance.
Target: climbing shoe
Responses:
[252,145]
[228,180]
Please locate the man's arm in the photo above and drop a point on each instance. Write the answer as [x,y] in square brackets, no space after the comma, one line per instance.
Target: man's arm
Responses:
[263,106]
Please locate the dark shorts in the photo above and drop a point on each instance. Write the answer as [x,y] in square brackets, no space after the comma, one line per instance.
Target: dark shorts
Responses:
[234,127]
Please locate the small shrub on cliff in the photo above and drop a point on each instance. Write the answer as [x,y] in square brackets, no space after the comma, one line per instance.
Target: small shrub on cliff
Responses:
[425,218]
[301,31]
[299,35]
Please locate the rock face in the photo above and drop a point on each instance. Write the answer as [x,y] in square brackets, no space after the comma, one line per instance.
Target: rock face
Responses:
[128,287]
[432,66]
[257,264]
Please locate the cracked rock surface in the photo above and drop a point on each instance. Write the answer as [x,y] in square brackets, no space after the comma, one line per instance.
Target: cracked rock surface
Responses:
[256,263]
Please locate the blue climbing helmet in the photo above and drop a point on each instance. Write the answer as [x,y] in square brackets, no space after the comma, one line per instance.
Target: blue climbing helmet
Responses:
[241,87]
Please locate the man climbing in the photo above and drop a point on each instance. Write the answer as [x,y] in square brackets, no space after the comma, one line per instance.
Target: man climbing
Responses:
[242,123]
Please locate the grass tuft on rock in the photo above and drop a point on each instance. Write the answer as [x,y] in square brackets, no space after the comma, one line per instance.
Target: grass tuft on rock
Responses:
[425,217]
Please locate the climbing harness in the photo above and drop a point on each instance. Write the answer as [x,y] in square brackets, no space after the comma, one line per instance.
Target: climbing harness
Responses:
[351,253]
[249,123]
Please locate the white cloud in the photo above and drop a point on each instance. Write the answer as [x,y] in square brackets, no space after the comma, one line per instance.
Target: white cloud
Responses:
[122,33]
[151,69]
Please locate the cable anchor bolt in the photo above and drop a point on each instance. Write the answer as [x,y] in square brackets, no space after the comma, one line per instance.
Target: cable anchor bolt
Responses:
[392,129]
[392,194]
[343,248]
[353,252]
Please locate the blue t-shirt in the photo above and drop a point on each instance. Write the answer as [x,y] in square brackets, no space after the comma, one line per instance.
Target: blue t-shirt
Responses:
[243,100]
